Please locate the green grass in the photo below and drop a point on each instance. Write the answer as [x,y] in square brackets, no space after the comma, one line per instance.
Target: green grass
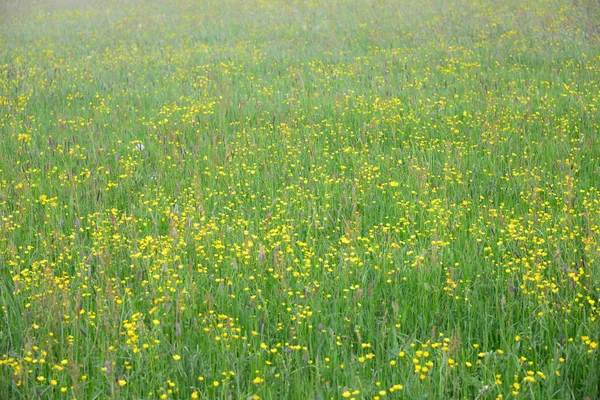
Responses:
[280,199]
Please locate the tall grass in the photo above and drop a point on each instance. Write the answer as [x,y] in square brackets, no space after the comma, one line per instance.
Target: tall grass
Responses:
[277,199]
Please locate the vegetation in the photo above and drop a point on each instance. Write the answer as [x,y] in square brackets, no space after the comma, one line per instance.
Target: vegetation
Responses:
[299,199]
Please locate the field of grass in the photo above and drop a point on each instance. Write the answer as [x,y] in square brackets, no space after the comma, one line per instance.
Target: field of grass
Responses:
[300,199]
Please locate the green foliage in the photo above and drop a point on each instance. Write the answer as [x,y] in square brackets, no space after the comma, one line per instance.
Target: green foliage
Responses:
[280,199]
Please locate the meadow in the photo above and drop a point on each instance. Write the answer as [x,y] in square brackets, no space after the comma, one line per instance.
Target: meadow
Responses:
[300,199]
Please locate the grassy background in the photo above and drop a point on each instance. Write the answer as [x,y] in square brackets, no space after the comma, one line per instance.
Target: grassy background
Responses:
[280,199]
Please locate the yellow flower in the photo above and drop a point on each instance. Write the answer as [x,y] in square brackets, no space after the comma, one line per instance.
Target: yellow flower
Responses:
[176,357]
[122,382]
